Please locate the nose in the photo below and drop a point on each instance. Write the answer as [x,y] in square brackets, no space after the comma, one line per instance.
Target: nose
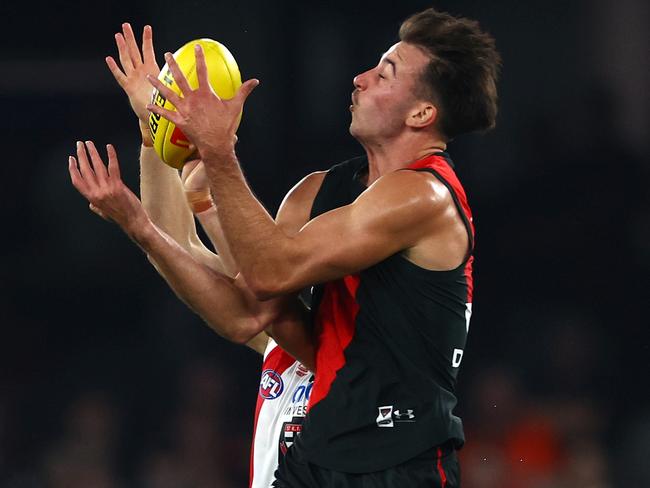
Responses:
[359,81]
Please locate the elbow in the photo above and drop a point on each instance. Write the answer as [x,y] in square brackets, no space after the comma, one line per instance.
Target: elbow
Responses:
[241,333]
[269,280]
[267,288]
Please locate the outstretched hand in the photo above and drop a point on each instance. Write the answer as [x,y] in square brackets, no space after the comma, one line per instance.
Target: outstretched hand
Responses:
[135,66]
[104,189]
[207,120]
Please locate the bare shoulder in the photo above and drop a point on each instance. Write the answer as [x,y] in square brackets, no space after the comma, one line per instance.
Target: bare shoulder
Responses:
[422,204]
[413,191]
[295,209]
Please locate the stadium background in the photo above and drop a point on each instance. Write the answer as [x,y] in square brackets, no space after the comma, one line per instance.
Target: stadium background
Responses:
[107,380]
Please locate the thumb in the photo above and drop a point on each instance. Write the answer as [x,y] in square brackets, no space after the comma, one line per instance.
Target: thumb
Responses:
[98,212]
[247,88]
[188,169]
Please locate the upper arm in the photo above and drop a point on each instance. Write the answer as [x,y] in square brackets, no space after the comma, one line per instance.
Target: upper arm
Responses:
[392,215]
[295,209]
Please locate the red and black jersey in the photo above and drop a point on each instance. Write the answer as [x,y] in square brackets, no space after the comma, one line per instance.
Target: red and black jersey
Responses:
[390,341]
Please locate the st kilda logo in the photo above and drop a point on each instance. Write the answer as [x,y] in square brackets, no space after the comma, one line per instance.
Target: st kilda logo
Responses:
[288,435]
[271,385]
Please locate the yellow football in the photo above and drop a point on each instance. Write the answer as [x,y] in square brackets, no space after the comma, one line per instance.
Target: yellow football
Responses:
[168,140]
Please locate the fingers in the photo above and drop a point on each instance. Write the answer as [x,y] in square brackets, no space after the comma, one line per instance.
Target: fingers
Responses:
[95,185]
[117,72]
[170,115]
[85,169]
[166,92]
[113,163]
[199,169]
[97,163]
[246,89]
[131,44]
[77,180]
[123,51]
[179,77]
[148,52]
[202,69]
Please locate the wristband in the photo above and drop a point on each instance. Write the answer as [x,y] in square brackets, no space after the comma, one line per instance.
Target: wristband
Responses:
[199,200]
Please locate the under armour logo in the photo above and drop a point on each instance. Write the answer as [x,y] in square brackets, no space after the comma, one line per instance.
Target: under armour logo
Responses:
[404,415]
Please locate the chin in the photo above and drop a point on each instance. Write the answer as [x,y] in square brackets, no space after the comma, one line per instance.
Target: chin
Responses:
[355,130]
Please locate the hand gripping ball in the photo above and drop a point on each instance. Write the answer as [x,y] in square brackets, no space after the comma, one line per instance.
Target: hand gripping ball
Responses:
[170,143]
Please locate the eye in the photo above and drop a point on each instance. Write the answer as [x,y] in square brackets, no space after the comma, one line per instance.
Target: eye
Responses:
[382,76]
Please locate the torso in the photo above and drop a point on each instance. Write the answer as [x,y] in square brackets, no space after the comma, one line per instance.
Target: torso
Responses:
[390,339]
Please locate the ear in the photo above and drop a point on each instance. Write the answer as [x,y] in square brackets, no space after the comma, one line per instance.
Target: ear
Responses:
[423,115]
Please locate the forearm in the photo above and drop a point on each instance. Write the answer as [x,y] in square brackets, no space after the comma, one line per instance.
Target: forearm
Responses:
[215,297]
[292,335]
[209,220]
[258,245]
[163,198]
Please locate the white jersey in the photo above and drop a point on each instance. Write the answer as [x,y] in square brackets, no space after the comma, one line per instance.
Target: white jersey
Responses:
[285,387]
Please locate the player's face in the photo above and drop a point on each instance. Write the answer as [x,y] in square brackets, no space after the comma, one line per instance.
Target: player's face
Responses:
[385,95]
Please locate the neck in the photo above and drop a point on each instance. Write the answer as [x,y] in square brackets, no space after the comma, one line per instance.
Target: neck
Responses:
[387,156]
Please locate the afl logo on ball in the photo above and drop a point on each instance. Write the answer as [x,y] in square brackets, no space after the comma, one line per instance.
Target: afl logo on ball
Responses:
[271,385]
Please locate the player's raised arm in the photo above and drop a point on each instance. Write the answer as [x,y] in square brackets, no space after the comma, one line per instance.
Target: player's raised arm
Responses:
[132,70]
[226,305]
[199,200]
[161,189]
[393,215]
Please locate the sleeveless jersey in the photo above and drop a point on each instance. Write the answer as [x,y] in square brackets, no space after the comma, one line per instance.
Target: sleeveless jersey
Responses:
[390,340]
[285,388]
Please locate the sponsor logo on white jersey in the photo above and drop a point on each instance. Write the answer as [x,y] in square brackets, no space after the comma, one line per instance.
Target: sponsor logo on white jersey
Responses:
[271,385]
[301,371]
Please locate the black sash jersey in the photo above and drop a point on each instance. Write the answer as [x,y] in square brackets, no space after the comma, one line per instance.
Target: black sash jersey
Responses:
[390,342]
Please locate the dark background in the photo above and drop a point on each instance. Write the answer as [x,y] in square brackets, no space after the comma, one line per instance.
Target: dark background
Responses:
[107,380]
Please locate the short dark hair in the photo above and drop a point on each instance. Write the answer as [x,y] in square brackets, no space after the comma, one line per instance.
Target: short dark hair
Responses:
[462,73]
